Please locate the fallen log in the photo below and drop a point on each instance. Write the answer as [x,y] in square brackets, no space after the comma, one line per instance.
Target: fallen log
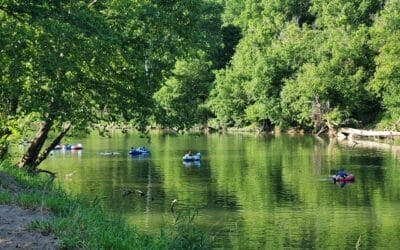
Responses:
[350,132]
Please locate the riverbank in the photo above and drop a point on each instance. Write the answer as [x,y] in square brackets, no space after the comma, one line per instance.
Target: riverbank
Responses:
[35,214]
[16,232]
[17,218]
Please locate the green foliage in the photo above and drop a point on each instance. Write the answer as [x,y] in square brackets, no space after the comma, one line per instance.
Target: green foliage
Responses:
[88,228]
[339,77]
[84,64]
[181,98]
[345,14]
[385,83]
[335,117]
[262,60]
[182,95]
[227,99]
[291,53]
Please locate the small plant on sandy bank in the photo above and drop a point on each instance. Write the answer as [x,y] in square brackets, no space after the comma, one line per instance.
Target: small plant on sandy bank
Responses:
[185,234]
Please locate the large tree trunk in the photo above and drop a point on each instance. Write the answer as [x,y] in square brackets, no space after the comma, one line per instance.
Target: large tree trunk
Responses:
[56,141]
[35,146]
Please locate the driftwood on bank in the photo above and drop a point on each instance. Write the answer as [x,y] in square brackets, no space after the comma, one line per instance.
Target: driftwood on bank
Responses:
[351,132]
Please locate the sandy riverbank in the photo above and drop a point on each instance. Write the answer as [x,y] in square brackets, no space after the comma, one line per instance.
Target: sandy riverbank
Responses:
[15,231]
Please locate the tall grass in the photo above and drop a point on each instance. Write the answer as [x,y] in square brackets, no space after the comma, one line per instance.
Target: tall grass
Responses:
[80,224]
[185,235]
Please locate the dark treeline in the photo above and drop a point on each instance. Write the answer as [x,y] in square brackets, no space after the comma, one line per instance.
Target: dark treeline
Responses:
[312,65]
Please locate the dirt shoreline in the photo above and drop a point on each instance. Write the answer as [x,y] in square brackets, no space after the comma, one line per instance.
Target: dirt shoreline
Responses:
[16,234]
[15,231]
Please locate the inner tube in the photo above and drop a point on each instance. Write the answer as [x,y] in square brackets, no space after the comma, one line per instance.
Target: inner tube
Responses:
[349,178]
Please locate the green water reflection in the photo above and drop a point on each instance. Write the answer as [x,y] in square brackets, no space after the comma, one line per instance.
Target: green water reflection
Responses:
[251,192]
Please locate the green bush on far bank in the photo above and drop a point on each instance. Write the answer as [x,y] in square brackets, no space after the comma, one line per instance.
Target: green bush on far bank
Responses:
[82,224]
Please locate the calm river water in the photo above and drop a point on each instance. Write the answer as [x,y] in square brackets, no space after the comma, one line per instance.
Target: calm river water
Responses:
[251,192]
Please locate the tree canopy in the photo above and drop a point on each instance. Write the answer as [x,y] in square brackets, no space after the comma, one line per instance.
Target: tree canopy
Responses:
[296,56]
[74,63]
[181,64]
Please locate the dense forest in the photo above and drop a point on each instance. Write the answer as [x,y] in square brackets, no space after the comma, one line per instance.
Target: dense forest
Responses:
[312,65]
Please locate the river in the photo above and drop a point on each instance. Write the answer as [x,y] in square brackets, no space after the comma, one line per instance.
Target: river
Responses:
[251,192]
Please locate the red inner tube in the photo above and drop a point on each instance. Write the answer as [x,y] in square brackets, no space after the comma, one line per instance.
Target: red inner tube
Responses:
[348,178]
